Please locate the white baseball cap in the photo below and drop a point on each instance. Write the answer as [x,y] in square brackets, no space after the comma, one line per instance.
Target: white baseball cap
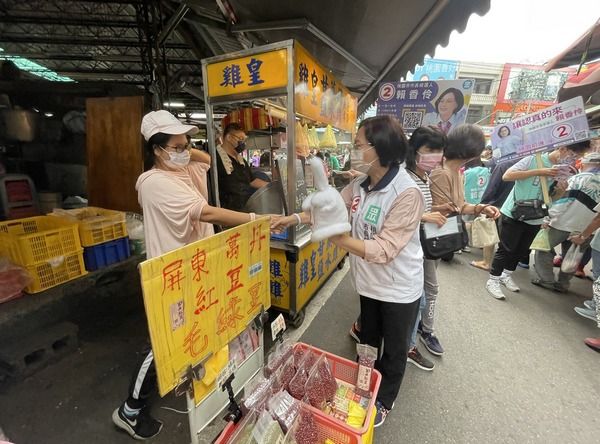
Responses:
[164,122]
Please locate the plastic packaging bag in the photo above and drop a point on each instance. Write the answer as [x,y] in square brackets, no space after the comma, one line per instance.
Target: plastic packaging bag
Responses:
[572,259]
[277,357]
[286,373]
[243,434]
[256,394]
[267,430]
[328,140]
[284,409]
[304,430]
[313,138]
[321,385]
[301,135]
[367,356]
[13,280]
[541,242]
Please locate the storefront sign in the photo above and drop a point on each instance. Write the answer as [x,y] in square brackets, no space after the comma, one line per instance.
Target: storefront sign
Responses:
[319,95]
[200,297]
[443,103]
[259,72]
[554,126]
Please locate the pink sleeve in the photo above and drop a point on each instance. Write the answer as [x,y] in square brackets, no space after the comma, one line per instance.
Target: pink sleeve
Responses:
[398,228]
[198,172]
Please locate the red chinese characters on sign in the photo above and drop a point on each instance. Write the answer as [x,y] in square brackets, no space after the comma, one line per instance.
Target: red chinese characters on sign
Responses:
[172,276]
[254,292]
[204,300]
[234,277]
[233,248]
[195,343]
[257,239]
[229,316]
[199,264]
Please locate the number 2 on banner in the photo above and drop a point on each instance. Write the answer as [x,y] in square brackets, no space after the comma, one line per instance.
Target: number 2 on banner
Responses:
[561,131]
[277,326]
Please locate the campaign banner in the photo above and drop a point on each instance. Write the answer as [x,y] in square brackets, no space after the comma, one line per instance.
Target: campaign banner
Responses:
[434,69]
[557,125]
[443,104]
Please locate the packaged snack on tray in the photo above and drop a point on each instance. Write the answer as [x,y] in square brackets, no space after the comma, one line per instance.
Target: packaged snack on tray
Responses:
[278,356]
[256,393]
[304,430]
[267,430]
[367,356]
[284,409]
[321,385]
[243,433]
[286,373]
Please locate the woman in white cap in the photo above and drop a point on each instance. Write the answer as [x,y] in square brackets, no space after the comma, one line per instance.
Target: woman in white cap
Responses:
[173,195]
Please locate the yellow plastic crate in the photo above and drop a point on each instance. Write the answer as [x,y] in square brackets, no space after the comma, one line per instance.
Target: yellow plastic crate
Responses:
[34,240]
[96,225]
[55,272]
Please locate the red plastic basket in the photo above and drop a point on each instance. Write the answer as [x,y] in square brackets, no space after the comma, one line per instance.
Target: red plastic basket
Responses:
[329,427]
[326,428]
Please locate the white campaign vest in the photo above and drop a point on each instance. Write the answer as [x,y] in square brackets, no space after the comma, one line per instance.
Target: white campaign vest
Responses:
[401,280]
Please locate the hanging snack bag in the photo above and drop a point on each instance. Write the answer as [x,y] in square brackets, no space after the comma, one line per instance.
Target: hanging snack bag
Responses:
[367,356]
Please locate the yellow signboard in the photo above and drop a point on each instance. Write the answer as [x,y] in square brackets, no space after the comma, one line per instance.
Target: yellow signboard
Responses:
[319,95]
[201,296]
[259,72]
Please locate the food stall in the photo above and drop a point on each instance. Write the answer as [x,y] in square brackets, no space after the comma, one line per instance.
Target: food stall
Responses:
[301,99]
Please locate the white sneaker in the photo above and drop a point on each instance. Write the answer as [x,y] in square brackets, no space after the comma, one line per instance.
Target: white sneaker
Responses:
[589,304]
[494,289]
[508,282]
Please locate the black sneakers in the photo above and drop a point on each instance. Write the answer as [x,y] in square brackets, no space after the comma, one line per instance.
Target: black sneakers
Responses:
[416,358]
[142,427]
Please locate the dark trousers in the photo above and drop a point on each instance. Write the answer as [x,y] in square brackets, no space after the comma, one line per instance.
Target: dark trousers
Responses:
[515,239]
[389,325]
[143,381]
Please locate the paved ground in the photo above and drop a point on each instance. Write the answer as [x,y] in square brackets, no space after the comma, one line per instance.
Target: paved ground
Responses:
[514,372]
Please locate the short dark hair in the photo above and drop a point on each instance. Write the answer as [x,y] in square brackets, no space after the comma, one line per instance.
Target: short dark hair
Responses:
[503,126]
[158,139]
[231,127]
[579,147]
[386,136]
[465,142]
[458,97]
[424,135]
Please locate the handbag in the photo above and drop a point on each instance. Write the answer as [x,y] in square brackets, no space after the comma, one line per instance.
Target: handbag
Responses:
[484,232]
[436,247]
[530,209]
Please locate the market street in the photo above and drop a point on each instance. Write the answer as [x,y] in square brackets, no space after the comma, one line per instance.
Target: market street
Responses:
[514,372]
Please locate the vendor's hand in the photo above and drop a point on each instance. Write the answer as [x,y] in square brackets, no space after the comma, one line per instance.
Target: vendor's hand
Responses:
[492,212]
[434,217]
[280,223]
[548,172]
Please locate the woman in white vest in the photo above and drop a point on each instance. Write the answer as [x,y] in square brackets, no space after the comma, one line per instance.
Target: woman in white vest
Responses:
[386,259]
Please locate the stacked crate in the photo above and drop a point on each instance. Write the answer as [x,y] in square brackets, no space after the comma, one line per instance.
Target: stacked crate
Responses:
[47,247]
[103,235]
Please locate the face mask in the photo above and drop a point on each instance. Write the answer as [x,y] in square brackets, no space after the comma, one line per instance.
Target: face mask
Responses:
[364,167]
[240,147]
[429,162]
[178,160]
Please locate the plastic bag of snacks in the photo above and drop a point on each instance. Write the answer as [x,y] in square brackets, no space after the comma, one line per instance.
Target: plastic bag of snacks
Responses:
[367,356]
[321,385]
[328,140]
[267,430]
[297,386]
[287,372]
[256,394]
[284,409]
[301,135]
[243,433]
[278,356]
[304,430]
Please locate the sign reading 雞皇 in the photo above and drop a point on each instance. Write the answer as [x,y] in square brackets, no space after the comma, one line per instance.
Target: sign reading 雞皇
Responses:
[319,95]
[259,72]
[201,296]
